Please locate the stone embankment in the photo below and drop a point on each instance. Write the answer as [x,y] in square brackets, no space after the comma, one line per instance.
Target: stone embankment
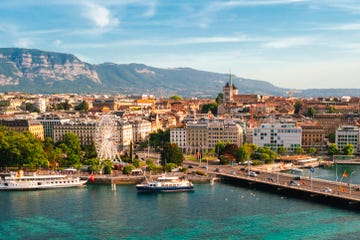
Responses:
[128,179]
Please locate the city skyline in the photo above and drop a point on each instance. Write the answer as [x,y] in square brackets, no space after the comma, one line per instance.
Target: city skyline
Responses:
[290,43]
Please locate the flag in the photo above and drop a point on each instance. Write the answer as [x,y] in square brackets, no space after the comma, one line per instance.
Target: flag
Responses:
[342,189]
[283,165]
[345,174]
[91,177]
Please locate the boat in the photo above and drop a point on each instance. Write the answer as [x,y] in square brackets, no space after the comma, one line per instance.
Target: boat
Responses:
[19,181]
[296,170]
[166,184]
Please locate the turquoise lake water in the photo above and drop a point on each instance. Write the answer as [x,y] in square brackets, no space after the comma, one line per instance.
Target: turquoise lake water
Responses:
[216,211]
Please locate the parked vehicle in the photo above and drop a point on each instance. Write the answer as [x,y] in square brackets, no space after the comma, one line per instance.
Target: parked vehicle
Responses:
[327,190]
[252,174]
[294,183]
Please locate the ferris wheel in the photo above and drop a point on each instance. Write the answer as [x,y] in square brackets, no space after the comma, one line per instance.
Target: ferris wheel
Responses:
[107,138]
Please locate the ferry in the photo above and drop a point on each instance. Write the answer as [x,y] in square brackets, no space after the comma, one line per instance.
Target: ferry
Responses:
[37,182]
[166,184]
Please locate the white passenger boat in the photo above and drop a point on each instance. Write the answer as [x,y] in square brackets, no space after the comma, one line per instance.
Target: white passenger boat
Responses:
[18,181]
[166,184]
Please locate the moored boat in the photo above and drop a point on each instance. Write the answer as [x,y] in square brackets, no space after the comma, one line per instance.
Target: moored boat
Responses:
[166,184]
[36,182]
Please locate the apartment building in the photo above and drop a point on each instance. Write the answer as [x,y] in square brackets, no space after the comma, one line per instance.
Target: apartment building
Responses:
[84,130]
[141,129]
[313,136]
[274,135]
[205,134]
[49,121]
[347,135]
[178,136]
[21,125]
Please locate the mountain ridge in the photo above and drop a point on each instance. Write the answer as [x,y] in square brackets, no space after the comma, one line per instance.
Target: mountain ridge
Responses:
[37,71]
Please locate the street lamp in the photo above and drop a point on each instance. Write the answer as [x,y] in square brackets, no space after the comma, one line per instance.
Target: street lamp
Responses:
[350,180]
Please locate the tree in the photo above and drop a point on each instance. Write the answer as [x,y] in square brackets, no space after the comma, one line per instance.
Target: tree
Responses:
[331,137]
[311,112]
[348,149]
[219,98]
[171,154]
[107,166]
[31,107]
[158,139]
[175,97]
[333,149]
[242,154]
[94,165]
[169,167]
[230,149]
[219,147]
[127,169]
[209,106]
[90,151]
[264,157]
[71,147]
[82,107]
[264,154]
[331,109]
[63,105]
[298,150]
[297,106]
[311,150]
[21,149]
[281,150]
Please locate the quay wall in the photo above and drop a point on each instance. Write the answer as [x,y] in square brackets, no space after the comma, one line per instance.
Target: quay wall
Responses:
[125,179]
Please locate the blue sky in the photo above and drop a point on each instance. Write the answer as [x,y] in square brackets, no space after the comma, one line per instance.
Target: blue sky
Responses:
[290,43]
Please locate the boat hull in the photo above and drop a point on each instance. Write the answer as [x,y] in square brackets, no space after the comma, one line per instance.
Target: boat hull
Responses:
[21,182]
[41,187]
[147,189]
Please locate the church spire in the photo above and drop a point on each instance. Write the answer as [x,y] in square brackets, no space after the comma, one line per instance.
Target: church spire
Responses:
[230,78]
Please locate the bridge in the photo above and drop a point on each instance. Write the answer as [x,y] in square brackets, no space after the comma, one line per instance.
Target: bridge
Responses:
[314,189]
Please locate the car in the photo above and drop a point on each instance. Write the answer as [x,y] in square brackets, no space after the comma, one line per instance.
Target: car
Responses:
[327,190]
[252,174]
[190,166]
[294,183]
[297,178]
[270,179]
[217,170]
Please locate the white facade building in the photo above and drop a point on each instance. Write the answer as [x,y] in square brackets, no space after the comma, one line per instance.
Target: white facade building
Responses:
[347,135]
[40,103]
[126,134]
[274,135]
[141,130]
[178,136]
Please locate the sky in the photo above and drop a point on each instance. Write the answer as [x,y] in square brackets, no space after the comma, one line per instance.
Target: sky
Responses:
[296,44]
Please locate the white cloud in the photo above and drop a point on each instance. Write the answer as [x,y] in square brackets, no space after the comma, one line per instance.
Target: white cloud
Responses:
[24,43]
[151,9]
[219,5]
[344,27]
[200,40]
[100,16]
[289,42]
[58,43]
